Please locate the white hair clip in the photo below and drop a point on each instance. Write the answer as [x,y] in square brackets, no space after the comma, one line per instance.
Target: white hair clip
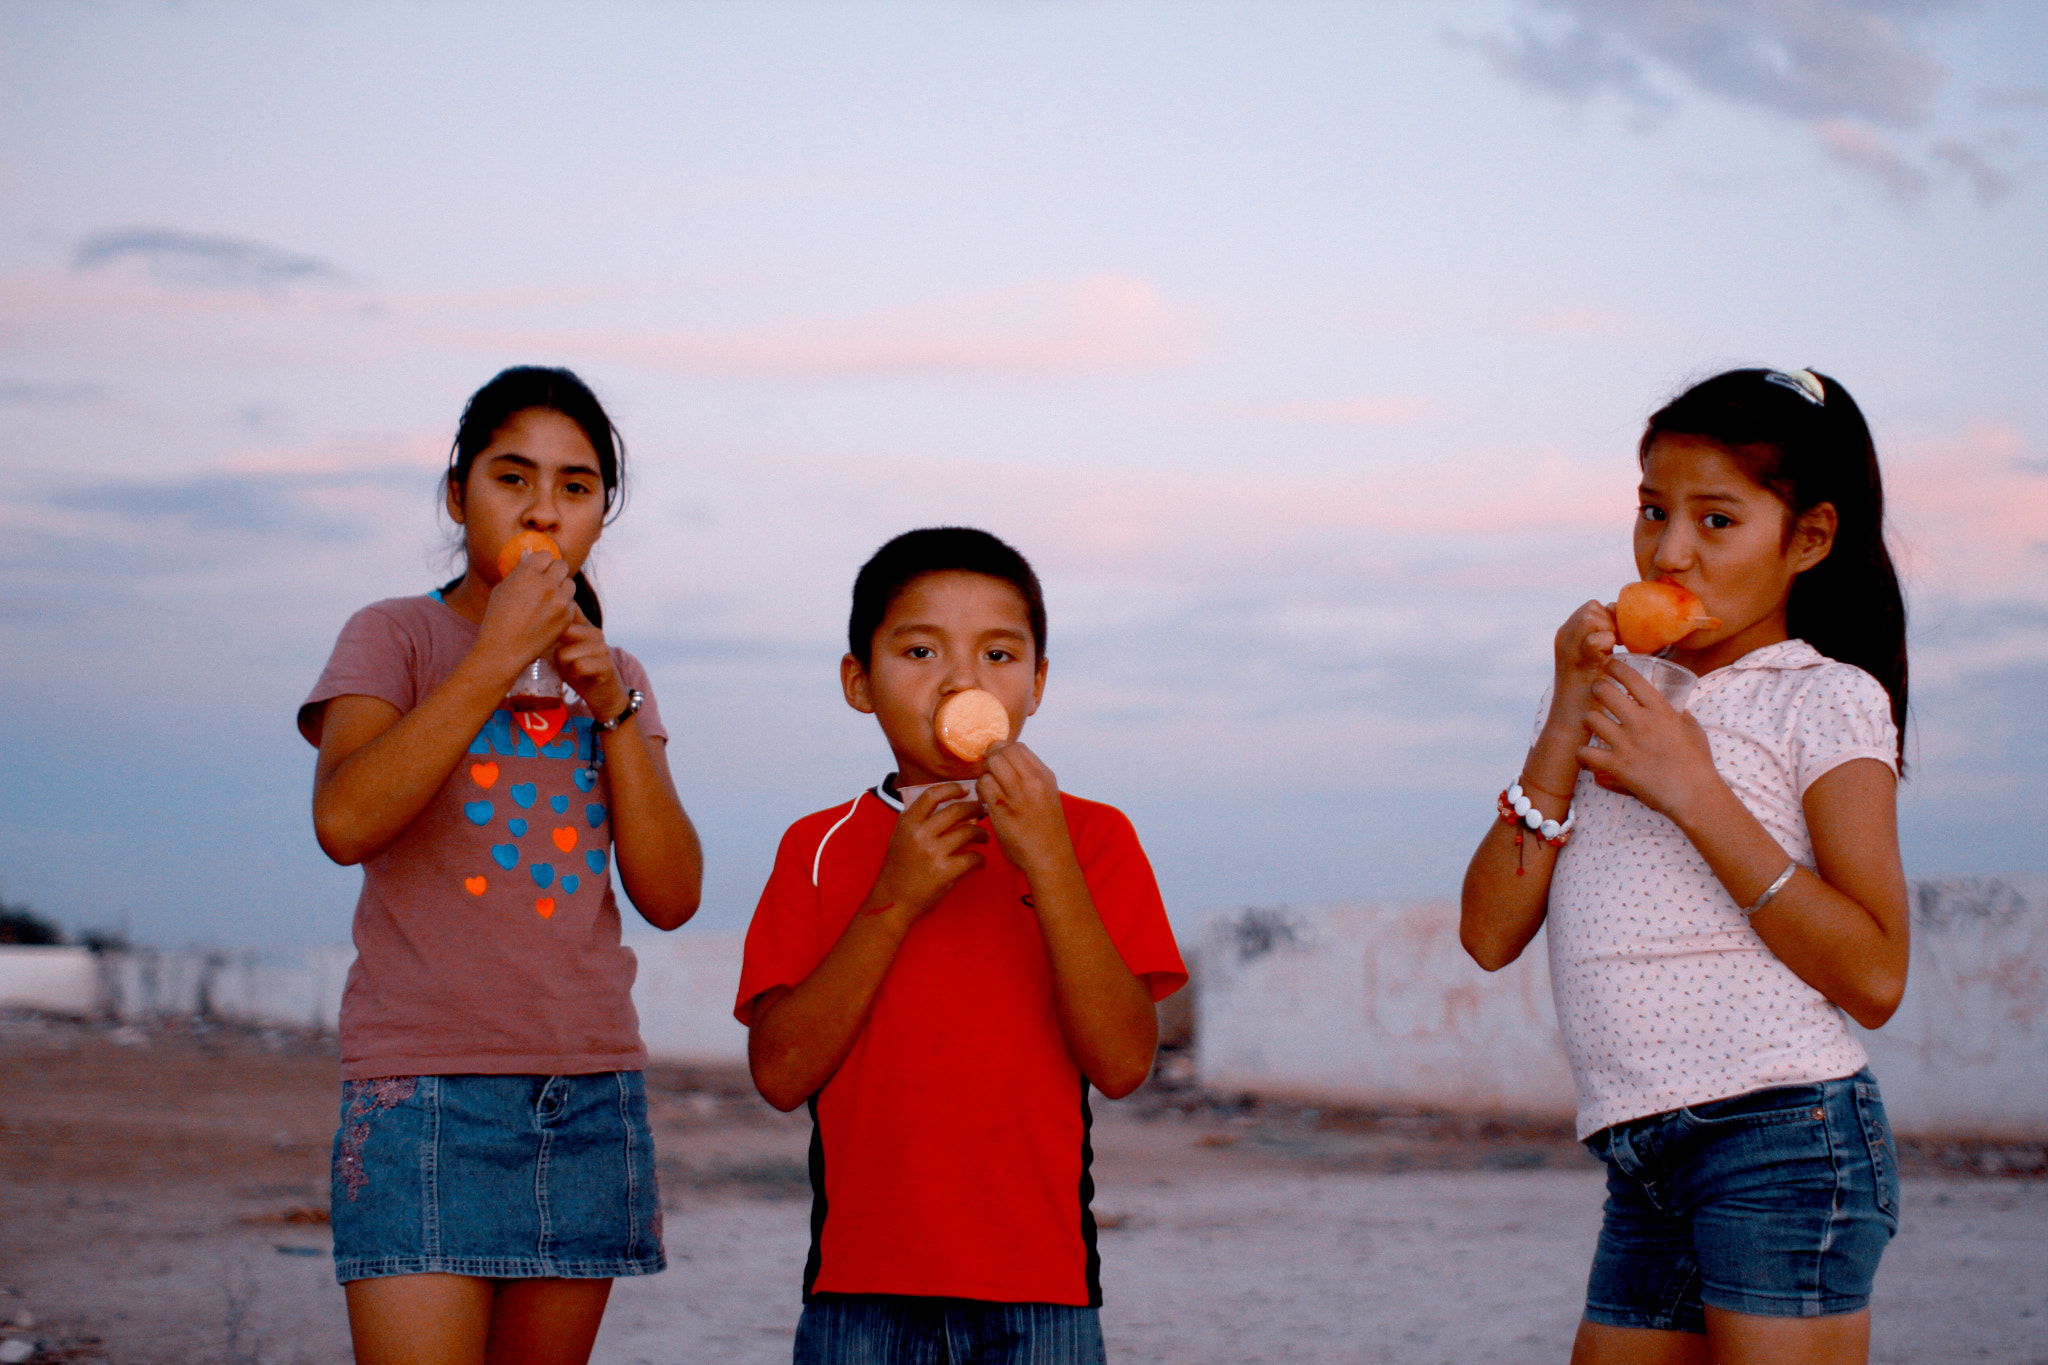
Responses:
[1805,383]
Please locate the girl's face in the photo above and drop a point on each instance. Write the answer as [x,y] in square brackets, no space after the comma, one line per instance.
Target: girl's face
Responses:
[539,473]
[1705,524]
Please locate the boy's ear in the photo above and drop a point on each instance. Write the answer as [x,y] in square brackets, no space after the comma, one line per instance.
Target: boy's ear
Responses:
[1037,689]
[1813,537]
[853,679]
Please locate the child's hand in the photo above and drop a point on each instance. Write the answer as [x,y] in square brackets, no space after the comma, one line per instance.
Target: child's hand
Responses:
[585,662]
[1023,800]
[1584,643]
[527,612]
[1655,753]
[927,853]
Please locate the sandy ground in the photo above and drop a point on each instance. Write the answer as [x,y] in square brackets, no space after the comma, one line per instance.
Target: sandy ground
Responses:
[162,1202]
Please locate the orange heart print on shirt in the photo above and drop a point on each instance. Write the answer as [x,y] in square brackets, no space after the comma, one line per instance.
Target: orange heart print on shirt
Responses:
[545,906]
[484,774]
[475,886]
[565,838]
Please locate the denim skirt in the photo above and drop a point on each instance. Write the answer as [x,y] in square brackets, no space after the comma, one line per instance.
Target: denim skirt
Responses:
[500,1177]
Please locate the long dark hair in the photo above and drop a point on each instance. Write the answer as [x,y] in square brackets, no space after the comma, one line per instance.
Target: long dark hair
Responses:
[1809,444]
[557,390]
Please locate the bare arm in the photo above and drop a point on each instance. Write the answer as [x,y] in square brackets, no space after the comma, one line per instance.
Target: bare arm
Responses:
[799,1035]
[1105,1011]
[654,845]
[1507,889]
[1843,928]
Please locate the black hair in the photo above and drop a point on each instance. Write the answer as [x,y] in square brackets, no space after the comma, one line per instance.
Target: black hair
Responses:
[518,389]
[936,549]
[1809,451]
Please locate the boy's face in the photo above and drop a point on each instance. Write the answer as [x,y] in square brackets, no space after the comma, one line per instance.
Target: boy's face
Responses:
[945,633]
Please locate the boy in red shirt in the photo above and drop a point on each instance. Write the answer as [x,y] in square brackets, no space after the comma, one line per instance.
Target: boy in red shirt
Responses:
[941,967]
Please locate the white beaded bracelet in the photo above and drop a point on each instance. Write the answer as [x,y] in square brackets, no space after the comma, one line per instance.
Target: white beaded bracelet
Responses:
[1525,812]
[1773,889]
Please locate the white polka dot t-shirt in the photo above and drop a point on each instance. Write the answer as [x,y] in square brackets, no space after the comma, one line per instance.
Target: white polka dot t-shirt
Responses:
[1665,994]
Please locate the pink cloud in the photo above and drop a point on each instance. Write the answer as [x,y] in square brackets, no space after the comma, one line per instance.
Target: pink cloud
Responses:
[1971,511]
[1370,410]
[1106,321]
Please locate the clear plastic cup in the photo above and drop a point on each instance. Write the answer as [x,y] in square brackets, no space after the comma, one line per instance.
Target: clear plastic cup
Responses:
[910,794]
[1673,682]
[537,688]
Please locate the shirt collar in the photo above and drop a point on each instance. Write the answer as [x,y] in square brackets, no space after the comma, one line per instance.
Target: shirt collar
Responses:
[1786,655]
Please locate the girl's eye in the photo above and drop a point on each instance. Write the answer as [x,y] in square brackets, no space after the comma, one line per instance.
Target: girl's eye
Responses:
[1649,513]
[1717,521]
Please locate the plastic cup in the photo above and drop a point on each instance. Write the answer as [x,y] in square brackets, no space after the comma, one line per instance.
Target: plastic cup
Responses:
[537,688]
[1673,682]
[910,794]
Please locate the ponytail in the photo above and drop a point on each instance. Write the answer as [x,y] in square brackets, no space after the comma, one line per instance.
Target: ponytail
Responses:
[1801,436]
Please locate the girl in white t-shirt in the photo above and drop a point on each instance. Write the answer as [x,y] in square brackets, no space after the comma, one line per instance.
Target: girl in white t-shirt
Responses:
[1722,886]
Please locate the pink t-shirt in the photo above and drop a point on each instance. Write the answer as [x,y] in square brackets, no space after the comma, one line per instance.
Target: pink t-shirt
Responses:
[1665,995]
[487,935]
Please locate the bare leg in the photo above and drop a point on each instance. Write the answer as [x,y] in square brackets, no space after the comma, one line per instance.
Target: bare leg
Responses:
[1745,1339]
[1599,1344]
[419,1319]
[462,1320]
[546,1322]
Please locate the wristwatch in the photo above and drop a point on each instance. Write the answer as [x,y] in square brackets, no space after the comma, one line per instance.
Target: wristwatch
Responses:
[633,700]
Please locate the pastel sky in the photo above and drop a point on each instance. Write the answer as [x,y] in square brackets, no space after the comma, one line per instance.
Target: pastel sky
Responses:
[1302,346]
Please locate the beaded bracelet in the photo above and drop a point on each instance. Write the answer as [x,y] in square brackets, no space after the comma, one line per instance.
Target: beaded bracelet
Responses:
[1518,810]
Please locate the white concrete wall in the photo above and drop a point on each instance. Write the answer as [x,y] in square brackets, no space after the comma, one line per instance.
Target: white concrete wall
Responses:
[1378,1005]
[684,992]
[48,977]
[1364,1004]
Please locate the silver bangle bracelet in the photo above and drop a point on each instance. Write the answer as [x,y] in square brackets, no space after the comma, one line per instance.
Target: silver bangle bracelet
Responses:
[633,700]
[1772,890]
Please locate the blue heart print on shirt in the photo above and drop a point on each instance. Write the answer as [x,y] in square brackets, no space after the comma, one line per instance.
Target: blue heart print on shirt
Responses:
[586,778]
[569,883]
[595,857]
[524,794]
[507,855]
[594,813]
[518,828]
[479,812]
[560,803]
[543,873]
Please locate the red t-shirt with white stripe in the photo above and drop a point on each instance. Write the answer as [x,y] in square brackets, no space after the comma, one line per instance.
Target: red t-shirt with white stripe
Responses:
[950,1151]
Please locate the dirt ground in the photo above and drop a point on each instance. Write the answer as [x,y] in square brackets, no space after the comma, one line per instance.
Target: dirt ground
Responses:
[163,1202]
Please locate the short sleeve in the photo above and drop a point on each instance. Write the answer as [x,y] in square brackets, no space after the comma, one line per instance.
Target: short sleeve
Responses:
[1843,714]
[785,940]
[375,656]
[1126,896]
[634,675]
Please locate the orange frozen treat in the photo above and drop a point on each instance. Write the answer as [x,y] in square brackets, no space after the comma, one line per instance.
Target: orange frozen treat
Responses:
[1654,616]
[523,544]
[968,722]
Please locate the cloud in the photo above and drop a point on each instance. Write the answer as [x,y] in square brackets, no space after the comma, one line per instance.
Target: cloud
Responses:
[199,261]
[1105,321]
[1368,410]
[1861,149]
[292,505]
[1846,69]
[55,395]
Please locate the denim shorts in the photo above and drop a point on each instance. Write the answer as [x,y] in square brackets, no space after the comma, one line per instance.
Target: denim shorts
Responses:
[501,1177]
[902,1329]
[1776,1203]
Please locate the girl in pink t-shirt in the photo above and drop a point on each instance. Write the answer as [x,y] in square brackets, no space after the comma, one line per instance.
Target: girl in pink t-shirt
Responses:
[1722,886]
[494,1169]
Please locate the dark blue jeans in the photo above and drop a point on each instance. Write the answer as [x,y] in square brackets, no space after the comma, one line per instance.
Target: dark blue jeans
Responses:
[899,1329]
